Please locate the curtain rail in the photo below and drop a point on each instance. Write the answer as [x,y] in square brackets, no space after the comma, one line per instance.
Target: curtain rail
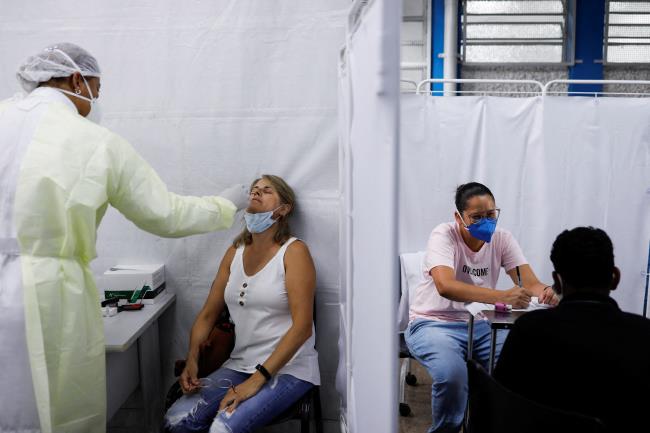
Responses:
[543,88]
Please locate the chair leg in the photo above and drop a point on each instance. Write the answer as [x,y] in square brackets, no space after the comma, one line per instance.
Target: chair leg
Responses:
[410,377]
[466,426]
[318,413]
[403,371]
[305,410]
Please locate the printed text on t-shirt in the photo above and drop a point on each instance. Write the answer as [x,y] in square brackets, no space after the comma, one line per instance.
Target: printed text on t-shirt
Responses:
[477,272]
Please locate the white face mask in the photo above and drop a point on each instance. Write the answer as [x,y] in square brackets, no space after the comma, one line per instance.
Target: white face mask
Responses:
[95,113]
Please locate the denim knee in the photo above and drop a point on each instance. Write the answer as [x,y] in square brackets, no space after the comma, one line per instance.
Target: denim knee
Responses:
[182,416]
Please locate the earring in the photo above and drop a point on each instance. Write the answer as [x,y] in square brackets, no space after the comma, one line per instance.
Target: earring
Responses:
[78,91]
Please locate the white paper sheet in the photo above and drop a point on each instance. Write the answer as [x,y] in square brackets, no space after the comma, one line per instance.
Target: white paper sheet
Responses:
[476,307]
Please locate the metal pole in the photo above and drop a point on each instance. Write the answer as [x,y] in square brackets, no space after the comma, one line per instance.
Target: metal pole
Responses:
[451,45]
[535,83]
[550,83]
[493,343]
[647,280]
[470,336]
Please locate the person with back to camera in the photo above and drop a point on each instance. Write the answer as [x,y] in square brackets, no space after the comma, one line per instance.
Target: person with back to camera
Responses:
[267,280]
[462,264]
[593,358]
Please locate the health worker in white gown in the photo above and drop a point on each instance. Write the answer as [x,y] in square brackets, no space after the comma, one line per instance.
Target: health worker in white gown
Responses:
[58,173]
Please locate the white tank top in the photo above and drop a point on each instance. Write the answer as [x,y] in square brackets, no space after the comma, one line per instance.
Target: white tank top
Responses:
[259,306]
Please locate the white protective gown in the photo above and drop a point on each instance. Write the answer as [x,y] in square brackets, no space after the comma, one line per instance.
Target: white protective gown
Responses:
[58,173]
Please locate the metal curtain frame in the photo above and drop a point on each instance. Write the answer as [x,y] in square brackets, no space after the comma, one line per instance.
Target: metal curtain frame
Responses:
[543,89]
[480,81]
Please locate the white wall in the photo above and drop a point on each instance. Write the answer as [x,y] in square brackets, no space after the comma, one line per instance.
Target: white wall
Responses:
[210,93]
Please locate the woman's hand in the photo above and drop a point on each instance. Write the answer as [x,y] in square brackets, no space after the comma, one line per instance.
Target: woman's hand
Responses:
[548,296]
[189,380]
[242,392]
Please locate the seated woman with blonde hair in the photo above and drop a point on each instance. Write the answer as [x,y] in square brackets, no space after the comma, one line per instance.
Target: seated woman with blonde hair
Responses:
[267,280]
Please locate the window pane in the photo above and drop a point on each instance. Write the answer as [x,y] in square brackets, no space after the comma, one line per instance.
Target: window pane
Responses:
[629,6]
[627,34]
[628,53]
[414,8]
[516,31]
[513,7]
[514,53]
[415,55]
[631,41]
[514,19]
[629,31]
[531,31]
[412,31]
[412,53]
[629,18]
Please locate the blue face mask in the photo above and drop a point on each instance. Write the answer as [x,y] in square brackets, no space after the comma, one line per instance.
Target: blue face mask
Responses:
[483,229]
[259,222]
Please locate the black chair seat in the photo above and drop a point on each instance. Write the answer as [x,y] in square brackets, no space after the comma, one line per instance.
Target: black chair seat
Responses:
[301,411]
[495,409]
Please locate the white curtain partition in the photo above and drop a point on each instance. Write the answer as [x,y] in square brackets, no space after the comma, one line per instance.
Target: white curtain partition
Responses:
[552,163]
[211,92]
[368,130]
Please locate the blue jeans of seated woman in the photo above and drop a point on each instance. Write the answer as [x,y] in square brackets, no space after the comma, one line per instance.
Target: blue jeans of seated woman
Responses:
[441,347]
[198,412]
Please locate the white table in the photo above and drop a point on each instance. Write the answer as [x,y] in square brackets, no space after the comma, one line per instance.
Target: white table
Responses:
[129,365]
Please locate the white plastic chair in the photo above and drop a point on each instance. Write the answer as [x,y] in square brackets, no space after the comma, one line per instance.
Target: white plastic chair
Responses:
[411,265]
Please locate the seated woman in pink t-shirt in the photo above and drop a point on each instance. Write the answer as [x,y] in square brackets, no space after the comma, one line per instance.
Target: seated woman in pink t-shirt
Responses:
[462,264]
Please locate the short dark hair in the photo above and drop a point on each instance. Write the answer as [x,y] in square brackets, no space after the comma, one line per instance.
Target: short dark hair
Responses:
[584,258]
[468,190]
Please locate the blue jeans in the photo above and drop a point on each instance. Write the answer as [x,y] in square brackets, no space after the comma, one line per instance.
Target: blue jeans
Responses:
[198,412]
[441,347]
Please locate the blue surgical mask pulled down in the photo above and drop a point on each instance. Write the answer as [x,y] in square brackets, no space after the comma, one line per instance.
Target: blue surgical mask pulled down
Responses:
[483,229]
[259,222]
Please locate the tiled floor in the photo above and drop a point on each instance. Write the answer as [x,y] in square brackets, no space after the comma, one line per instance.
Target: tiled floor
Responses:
[130,417]
[418,398]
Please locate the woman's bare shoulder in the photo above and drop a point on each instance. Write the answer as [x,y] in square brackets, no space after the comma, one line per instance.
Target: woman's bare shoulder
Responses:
[228,256]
